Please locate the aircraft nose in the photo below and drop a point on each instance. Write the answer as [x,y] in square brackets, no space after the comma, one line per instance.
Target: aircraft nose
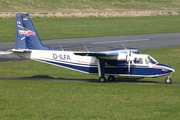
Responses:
[171,70]
[167,68]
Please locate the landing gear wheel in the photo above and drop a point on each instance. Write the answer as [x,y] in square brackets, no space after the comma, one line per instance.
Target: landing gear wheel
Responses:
[111,78]
[168,80]
[102,79]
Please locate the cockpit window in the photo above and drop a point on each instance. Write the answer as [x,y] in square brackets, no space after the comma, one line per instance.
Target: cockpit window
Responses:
[150,60]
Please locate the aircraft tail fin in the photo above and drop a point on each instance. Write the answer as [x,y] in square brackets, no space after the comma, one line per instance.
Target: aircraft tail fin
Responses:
[26,36]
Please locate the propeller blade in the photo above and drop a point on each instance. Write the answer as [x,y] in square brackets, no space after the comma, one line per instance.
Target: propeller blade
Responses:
[129,66]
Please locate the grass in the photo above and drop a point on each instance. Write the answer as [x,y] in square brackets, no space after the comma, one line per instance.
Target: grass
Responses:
[86,8]
[54,100]
[92,101]
[68,5]
[93,26]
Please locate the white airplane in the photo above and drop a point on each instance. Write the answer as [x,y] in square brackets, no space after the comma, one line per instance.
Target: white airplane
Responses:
[123,62]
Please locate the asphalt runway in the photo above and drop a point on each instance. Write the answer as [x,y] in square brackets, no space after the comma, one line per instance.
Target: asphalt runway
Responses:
[145,41]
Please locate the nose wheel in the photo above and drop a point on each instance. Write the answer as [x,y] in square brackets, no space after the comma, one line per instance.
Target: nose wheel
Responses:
[168,80]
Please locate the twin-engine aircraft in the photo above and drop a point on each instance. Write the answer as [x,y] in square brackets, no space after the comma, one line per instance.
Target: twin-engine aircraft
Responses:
[124,62]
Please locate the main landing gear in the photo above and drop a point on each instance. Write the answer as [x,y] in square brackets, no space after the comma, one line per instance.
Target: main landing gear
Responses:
[168,80]
[111,78]
[102,79]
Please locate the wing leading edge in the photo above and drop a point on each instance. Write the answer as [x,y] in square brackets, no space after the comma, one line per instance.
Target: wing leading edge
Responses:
[103,55]
[106,53]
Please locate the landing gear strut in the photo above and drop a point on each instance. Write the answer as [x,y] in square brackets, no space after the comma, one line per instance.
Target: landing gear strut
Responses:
[101,68]
[168,80]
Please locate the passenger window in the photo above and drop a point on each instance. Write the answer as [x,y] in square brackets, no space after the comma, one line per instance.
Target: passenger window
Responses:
[138,61]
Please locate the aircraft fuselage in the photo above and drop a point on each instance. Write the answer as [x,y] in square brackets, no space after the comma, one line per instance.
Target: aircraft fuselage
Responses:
[88,64]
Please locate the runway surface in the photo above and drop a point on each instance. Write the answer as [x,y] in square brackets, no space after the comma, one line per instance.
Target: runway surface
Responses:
[146,41]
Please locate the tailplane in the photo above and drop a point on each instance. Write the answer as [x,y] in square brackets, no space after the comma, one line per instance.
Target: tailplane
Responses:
[26,36]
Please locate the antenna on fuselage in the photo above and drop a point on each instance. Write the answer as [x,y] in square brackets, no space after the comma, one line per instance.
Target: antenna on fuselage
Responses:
[61,47]
[86,48]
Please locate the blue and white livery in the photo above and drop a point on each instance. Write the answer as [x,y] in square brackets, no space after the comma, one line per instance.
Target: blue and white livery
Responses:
[116,62]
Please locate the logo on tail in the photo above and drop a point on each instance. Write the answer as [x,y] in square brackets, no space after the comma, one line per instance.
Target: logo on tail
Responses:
[26,32]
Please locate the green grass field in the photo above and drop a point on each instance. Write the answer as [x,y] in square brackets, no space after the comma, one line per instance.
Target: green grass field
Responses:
[68,5]
[52,99]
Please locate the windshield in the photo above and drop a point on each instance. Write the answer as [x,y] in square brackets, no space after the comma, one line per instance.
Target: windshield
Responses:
[150,60]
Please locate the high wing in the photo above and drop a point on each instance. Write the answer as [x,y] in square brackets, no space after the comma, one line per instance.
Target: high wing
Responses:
[108,54]
[102,55]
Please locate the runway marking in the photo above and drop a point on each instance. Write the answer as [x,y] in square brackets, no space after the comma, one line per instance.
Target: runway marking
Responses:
[136,40]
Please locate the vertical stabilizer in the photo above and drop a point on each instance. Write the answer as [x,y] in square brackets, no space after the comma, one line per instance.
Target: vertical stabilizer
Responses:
[26,36]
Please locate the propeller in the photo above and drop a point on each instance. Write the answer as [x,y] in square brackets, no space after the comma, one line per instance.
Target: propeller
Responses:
[129,58]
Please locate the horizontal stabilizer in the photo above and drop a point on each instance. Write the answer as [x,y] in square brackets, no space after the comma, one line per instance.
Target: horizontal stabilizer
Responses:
[20,51]
[5,52]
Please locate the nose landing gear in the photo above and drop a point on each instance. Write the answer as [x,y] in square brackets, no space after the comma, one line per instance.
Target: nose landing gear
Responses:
[168,80]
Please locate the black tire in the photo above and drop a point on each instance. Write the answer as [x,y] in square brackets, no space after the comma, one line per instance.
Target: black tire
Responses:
[102,79]
[168,80]
[111,78]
